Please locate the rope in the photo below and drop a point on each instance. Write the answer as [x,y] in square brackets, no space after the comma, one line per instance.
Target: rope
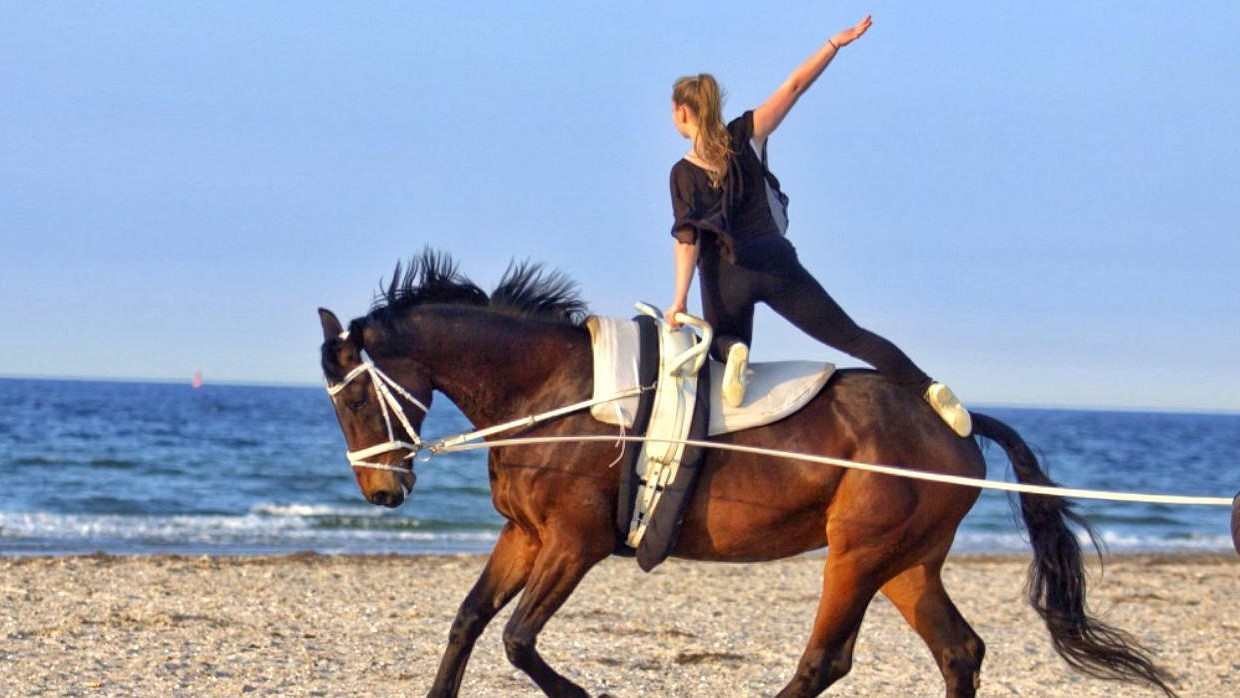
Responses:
[462,442]
[453,443]
[458,445]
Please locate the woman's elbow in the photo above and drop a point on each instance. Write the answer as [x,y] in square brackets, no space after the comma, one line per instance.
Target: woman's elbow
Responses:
[795,87]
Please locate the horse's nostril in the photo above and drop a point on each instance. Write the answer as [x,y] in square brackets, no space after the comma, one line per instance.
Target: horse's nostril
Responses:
[387,499]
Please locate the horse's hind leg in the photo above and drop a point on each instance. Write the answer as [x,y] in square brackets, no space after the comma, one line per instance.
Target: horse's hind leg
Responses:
[919,595]
[560,566]
[847,589]
[503,577]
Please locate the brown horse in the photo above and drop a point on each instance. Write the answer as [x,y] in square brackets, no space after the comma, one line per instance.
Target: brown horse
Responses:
[522,350]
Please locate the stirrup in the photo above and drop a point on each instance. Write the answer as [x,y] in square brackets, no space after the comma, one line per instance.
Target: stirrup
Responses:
[735,375]
[948,407]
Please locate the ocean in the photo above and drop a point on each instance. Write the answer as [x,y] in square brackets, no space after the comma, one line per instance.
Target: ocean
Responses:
[141,468]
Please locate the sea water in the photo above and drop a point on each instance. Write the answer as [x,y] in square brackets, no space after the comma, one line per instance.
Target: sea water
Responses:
[136,468]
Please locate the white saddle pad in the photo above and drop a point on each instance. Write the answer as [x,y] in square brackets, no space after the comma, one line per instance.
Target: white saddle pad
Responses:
[774,391]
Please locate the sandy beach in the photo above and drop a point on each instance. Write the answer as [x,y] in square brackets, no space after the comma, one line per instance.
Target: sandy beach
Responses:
[311,625]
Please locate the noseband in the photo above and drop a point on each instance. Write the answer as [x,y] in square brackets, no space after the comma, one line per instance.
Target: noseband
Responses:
[384,385]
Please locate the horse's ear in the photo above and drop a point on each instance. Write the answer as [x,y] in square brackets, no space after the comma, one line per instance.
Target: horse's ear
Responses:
[331,324]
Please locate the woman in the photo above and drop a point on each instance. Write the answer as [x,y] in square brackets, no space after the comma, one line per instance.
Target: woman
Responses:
[730,218]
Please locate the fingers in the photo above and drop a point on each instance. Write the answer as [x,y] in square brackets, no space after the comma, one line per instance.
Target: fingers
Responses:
[853,33]
[862,27]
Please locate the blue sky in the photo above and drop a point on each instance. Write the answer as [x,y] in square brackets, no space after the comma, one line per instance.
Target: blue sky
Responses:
[1036,200]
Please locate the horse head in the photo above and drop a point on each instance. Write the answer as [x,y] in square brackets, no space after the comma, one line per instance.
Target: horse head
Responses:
[381,402]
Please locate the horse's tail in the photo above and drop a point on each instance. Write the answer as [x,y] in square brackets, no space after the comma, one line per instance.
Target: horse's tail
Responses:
[1056,583]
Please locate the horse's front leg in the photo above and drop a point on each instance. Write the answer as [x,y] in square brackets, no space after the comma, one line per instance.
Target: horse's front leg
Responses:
[562,563]
[505,574]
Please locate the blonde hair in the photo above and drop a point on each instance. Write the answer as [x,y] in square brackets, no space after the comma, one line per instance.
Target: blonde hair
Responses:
[700,94]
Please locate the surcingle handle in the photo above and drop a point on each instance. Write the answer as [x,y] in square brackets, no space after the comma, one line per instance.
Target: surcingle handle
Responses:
[690,362]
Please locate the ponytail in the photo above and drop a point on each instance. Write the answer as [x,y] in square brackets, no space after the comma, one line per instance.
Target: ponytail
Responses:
[701,95]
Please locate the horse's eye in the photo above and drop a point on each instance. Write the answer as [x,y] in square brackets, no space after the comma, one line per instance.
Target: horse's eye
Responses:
[358,404]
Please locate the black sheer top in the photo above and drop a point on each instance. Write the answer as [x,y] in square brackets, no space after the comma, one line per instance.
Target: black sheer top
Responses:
[747,208]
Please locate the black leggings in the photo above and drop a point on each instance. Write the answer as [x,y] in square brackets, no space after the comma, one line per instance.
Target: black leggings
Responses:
[730,292]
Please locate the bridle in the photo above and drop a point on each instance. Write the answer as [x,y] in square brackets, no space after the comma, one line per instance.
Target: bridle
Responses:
[388,404]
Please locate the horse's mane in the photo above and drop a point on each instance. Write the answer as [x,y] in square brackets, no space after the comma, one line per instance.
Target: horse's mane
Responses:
[526,289]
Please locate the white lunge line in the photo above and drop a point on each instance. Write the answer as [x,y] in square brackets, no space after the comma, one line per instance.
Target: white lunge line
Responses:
[471,441]
[456,445]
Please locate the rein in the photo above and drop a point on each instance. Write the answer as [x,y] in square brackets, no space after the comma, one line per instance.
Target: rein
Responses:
[384,384]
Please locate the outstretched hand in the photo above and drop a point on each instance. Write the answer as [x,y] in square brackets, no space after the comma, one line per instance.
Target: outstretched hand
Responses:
[851,34]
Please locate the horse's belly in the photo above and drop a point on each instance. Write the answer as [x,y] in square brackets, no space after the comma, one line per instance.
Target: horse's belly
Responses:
[744,530]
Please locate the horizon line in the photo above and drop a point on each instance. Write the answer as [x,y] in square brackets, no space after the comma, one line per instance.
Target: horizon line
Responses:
[243,383]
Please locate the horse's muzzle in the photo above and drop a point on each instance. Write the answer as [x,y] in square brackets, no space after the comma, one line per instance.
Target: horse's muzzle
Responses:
[391,493]
[387,498]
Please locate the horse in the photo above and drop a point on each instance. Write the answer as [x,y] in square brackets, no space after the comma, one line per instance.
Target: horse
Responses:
[522,349]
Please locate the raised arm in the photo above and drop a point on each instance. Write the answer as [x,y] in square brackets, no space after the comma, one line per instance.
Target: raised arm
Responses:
[767,117]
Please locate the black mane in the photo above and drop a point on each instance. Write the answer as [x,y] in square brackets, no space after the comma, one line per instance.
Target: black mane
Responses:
[526,289]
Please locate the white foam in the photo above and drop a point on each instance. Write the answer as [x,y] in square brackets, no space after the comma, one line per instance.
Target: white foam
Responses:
[1018,541]
[300,526]
[253,532]
[311,510]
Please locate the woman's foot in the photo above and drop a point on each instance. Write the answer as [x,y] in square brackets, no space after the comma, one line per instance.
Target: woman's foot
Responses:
[734,377]
[944,401]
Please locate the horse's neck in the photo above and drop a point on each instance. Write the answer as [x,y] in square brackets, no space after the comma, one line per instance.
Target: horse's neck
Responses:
[507,367]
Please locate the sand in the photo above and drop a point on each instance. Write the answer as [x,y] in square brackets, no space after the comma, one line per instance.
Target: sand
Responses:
[310,625]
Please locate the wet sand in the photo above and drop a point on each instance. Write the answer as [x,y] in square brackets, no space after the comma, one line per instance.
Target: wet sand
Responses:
[310,625]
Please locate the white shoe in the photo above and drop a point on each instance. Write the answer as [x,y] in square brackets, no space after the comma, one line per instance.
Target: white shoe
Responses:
[944,401]
[735,375]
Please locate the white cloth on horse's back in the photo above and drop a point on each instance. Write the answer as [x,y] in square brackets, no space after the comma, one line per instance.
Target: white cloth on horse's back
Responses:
[615,368]
[774,391]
